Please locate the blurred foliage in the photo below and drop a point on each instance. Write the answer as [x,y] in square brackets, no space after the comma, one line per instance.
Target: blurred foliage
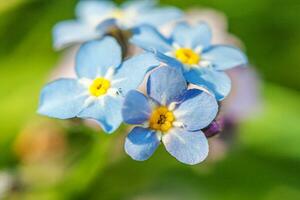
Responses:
[264,163]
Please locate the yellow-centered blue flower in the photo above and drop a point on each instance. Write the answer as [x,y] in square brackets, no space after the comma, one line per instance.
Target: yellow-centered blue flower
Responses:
[170,114]
[93,14]
[102,81]
[201,62]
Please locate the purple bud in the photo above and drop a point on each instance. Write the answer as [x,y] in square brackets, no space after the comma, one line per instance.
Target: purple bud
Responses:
[214,128]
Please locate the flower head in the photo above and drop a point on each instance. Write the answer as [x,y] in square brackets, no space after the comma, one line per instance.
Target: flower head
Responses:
[190,47]
[95,17]
[169,113]
[97,93]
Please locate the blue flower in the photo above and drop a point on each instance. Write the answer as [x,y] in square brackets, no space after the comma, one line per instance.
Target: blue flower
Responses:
[99,90]
[202,63]
[170,113]
[95,17]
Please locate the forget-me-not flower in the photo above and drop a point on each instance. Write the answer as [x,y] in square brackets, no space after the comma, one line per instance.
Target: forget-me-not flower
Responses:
[94,17]
[170,113]
[202,63]
[98,92]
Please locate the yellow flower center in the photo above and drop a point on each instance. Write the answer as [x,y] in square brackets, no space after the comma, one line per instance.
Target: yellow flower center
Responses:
[187,56]
[117,14]
[161,119]
[99,87]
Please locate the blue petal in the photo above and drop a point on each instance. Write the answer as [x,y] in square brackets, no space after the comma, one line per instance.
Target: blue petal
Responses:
[95,57]
[107,114]
[159,16]
[216,82]
[70,32]
[166,84]
[197,110]
[141,143]
[132,72]
[63,99]
[93,11]
[148,38]
[225,57]
[172,62]
[192,36]
[187,147]
[105,25]
[136,108]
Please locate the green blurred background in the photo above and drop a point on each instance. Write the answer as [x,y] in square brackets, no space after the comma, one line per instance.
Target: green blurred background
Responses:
[263,162]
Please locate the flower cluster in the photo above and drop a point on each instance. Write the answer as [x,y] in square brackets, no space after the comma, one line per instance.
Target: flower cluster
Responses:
[184,74]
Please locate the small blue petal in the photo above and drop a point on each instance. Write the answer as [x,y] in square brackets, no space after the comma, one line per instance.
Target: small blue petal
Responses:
[170,61]
[105,25]
[187,147]
[63,99]
[197,110]
[225,57]
[165,84]
[136,108]
[92,11]
[159,16]
[132,72]
[70,32]
[107,113]
[148,38]
[95,57]
[216,82]
[141,143]
[192,36]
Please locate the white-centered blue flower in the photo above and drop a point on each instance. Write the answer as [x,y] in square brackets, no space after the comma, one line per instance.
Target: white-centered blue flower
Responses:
[169,113]
[94,17]
[98,92]
[189,46]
